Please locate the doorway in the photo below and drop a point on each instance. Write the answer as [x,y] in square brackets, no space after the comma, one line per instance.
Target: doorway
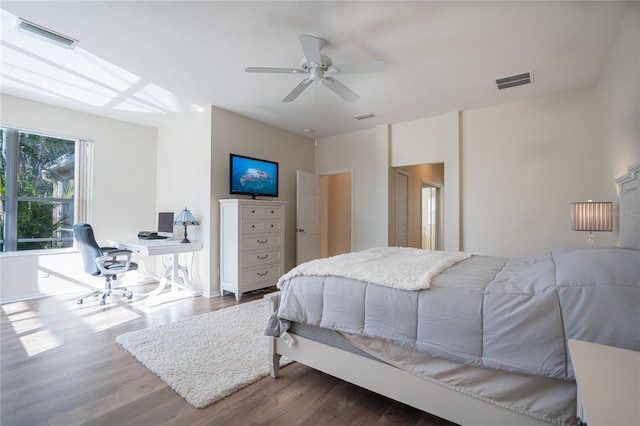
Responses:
[336,214]
[430,216]
[406,197]
[323,215]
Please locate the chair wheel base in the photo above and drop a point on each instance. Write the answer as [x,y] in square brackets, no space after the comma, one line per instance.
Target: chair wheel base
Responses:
[106,293]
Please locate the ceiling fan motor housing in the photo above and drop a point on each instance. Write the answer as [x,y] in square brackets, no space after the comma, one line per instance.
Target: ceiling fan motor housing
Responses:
[326,63]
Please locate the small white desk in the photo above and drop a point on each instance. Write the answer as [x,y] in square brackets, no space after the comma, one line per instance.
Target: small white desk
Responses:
[171,272]
[608,384]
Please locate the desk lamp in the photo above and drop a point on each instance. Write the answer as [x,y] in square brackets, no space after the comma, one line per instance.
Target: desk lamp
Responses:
[591,216]
[185,218]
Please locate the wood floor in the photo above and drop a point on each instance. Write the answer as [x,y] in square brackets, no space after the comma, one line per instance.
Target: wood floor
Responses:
[60,365]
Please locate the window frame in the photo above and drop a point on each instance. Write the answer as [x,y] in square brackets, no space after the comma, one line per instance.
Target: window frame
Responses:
[83,178]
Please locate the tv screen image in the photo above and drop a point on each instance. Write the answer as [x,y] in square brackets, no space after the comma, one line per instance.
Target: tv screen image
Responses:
[253,176]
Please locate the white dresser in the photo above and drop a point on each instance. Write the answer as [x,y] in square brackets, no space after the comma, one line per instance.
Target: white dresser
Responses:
[251,244]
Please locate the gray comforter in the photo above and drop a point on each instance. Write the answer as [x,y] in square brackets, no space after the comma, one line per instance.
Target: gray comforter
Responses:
[493,312]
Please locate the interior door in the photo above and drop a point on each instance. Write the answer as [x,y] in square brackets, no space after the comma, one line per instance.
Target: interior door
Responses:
[308,243]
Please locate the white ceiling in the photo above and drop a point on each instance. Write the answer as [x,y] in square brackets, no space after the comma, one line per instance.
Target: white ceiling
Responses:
[147,61]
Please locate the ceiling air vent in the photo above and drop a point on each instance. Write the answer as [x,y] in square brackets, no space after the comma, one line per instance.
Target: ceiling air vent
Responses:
[515,80]
[45,34]
[364,116]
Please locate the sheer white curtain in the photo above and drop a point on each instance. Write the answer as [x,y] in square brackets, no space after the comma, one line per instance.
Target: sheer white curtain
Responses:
[84,180]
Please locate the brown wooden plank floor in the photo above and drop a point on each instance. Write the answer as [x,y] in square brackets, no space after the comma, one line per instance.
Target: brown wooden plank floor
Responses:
[60,365]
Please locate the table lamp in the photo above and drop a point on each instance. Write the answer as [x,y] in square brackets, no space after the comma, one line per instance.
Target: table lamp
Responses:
[591,216]
[185,218]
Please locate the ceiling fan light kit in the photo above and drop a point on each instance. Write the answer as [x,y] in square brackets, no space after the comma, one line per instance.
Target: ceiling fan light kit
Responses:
[319,67]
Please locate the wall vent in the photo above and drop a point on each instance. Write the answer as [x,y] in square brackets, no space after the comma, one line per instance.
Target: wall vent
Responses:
[45,33]
[364,116]
[515,80]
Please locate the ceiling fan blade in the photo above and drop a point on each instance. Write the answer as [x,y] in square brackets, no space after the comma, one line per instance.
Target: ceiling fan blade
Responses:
[357,67]
[340,89]
[311,46]
[297,90]
[275,70]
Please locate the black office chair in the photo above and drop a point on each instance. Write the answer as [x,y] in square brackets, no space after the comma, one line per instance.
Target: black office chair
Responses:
[102,262]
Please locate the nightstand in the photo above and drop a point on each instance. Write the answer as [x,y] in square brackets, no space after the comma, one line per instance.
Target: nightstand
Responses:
[608,384]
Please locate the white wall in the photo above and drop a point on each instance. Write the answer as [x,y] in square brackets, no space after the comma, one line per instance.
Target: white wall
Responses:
[123,193]
[619,103]
[358,152]
[184,180]
[429,141]
[523,163]
[369,154]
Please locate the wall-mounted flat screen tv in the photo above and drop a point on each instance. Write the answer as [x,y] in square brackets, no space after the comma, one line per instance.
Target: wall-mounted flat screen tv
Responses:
[253,176]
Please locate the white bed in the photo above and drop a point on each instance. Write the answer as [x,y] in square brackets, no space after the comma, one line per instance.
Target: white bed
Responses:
[459,392]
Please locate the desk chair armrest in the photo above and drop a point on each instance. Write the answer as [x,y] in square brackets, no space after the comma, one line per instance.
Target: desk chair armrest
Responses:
[117,261]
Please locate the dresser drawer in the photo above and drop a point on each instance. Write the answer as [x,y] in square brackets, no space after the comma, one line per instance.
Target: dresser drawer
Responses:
[272,212]
[253,212]
[267,257]
[267,273]
[260,226]
[252,226]
[261,241]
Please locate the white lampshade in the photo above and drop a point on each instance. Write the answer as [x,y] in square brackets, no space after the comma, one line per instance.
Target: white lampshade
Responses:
[591,216]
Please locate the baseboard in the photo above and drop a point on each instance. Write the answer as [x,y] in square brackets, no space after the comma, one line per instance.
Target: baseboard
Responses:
[31,296]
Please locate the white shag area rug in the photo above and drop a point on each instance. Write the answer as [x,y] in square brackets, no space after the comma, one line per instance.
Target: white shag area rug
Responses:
[207,357]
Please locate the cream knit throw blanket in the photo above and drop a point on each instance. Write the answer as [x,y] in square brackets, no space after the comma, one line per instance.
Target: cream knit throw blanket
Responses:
[398,267]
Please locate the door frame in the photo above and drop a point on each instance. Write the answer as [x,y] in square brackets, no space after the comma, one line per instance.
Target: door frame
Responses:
[439,209]
[395,204]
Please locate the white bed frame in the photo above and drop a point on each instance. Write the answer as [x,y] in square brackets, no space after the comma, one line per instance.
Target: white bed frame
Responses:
[404,387]
[392,382]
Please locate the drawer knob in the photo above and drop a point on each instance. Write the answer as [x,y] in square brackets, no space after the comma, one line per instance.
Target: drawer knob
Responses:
[262,274]
[253,226]
[263,241]
[262,257]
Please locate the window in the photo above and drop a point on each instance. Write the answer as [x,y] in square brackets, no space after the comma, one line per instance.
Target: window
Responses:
[43,190]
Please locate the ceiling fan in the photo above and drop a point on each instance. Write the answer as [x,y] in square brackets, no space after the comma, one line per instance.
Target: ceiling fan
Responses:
[319,67]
